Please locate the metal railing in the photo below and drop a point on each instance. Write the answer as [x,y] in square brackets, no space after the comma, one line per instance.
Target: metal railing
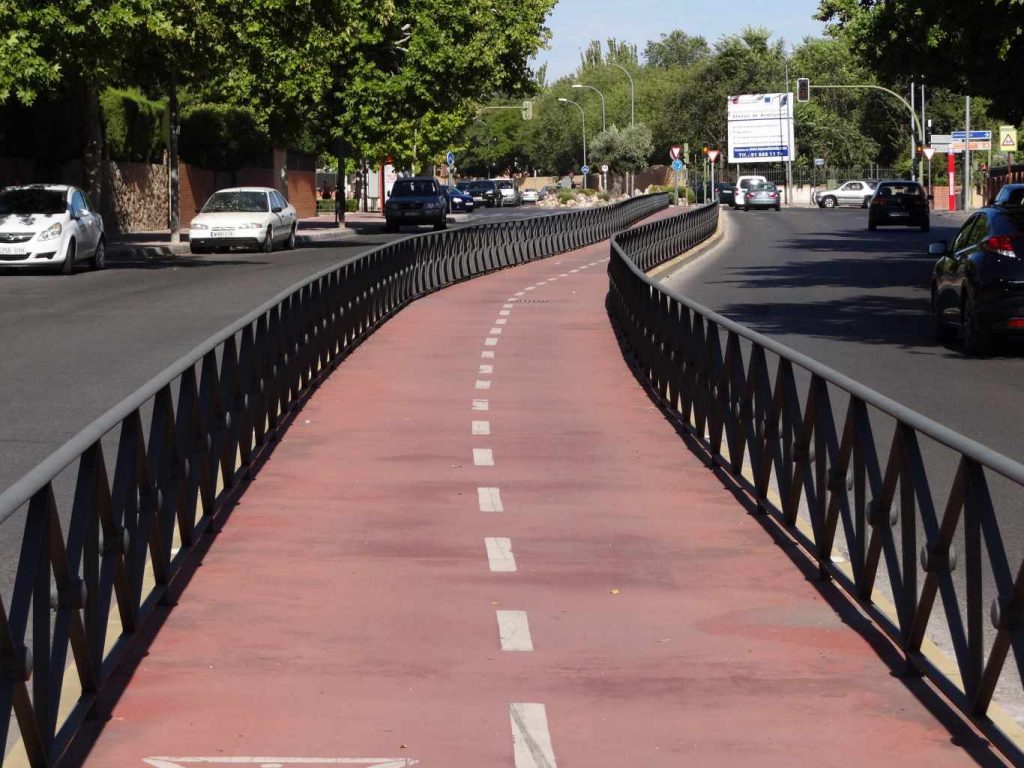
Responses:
[111,552]
[864,507]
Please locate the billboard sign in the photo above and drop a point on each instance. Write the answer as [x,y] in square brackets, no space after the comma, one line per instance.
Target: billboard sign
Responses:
[760,127]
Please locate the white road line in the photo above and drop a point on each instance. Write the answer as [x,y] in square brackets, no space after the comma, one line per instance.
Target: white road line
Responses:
[507,306]
[520,293]
[481,428]
[514,631]
[483,384]
[501,321]
[505,312]
[486,368]
[490,499]
[491,341]
[573,271]
[496,331]
[499,555]
[483,457]
[531,741]
[530,287]
[540,282]
[564,274]
[487,354]
[481,405]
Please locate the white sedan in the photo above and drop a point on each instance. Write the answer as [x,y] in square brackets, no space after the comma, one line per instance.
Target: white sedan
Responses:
[248,217]
[531,196]
[45,225]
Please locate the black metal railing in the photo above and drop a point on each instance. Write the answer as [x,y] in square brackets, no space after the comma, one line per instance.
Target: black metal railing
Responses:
[894,507]
[119,538]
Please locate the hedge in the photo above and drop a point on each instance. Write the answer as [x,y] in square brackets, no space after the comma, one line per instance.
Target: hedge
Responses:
[135,127]
[222,138]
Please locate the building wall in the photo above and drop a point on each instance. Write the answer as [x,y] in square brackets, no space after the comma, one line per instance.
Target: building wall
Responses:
[302,192]
[137,197]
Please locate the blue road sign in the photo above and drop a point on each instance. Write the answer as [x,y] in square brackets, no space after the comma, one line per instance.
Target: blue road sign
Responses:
[585,170]
[677,165]
[450,158]
[975,135]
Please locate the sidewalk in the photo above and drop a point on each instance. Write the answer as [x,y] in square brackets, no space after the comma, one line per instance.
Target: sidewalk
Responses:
[312,230]
[481,545]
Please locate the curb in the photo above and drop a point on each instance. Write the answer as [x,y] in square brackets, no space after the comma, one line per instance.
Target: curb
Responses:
[172,250]
[663,271]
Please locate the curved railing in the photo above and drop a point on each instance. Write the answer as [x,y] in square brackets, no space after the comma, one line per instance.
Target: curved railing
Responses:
[100,550]
[899,510]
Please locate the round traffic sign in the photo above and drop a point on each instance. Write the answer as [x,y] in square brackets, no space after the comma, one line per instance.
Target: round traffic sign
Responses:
[604,169]
[450,158]
[677,165]
[585,170]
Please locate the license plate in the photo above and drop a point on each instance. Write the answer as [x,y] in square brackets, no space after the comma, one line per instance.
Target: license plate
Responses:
[478,199]
[898,214]
[11,250]
[223,233]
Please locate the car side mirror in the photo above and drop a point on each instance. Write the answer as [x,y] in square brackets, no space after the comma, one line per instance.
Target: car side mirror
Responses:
[938,249]
[276,209]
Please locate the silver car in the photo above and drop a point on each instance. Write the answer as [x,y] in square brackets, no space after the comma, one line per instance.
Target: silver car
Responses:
[857,192]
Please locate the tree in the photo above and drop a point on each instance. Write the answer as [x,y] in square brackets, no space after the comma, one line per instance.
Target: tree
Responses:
[677,49]
[964,47]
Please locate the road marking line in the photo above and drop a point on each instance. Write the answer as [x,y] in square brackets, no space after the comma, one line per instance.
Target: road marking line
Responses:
[490,499]
[573,271]
[507,306]
[483,457]
[505,313]
[530,287]
[514,631]
[483,384]
[481,428]
[501,321]
[487,354]
[369,762]
[499,555]
[520,293]
[481,405]
[564,274]
[486,368]
[542,282]
[531,740]
[496,331]
[491,342]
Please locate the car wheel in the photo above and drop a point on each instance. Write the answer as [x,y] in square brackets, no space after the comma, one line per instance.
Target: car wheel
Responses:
[976,336]
[390,226]
[778,208]
[99,258]
[267,246]
[942,331]
[289,244]
[746,207]
[68,267]
[828,202]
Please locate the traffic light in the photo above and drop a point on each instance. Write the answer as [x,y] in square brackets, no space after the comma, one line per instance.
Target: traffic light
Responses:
[920,150]
[705,150]
[803,89]
[527,110]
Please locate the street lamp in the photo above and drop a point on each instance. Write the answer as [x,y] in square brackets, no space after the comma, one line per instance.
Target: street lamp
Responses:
[604,127]
[789,128]
[632,94]
[583,116]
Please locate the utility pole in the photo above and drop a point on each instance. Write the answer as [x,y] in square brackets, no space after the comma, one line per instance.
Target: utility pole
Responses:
[967,155]
[913,137]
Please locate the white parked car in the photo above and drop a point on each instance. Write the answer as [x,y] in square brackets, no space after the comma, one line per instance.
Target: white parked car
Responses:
[257,218]
[857,192]
[49,225]
[531,195]
[743,183]
[509,193]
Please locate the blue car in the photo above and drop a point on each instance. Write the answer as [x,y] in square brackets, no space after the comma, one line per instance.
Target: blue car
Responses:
[459,201]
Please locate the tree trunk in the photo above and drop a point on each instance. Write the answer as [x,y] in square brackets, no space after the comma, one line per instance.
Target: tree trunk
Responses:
[172,164]
[93,156]
[339,192]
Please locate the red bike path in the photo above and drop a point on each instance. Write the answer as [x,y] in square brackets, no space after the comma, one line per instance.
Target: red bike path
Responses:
[481,544]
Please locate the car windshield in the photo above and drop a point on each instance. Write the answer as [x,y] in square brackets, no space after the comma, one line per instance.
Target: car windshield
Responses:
[1010,195]
[908,189]
[46,202]
[237,202]
[413,188]
[506,185]
[763,187]
[479,186]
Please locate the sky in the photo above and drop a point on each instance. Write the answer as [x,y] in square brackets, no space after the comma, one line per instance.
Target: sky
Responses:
[574,23]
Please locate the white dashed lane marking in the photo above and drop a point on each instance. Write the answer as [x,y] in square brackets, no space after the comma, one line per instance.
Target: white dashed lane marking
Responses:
[481,428]
[514,631]
[486,369]
[496,331]
[531,741]
[507,306]
[487,354]
[499,555]
[483,457]
[481,405]
[491,341]
[483,384]
[505,312]
[500,321]
[490,499]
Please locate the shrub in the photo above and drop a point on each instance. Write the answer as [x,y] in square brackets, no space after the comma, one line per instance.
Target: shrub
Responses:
[588,192]
[351,204]
[604,196]
[565,195]
[222,138]
[135,128]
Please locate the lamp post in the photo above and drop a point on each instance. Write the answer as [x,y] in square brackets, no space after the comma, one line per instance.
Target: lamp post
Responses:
[604,127]
[789,130]
[583,116]
[632,94]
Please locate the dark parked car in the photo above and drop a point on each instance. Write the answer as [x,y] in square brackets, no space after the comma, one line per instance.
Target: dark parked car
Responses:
[726,190]
[459,201]
[484,192]
[1009,194]
[762,196]
[417,200]
[904,203]
[978,281]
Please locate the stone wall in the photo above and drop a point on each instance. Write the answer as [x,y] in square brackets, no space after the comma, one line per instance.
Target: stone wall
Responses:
[137,197]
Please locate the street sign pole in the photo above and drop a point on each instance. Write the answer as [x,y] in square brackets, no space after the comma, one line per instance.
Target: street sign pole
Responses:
[951,174]
[677,188]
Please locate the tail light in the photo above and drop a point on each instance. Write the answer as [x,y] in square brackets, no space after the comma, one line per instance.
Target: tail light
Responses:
[773,195]
[999,244]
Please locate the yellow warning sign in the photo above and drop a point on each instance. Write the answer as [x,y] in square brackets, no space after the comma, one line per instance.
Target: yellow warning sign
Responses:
[1007,138]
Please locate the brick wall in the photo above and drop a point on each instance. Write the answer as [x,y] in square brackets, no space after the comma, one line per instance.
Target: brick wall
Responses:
[195,185]
[302,192]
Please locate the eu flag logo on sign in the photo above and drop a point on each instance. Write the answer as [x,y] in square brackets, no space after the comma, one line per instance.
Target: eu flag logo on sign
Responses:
[767,99]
